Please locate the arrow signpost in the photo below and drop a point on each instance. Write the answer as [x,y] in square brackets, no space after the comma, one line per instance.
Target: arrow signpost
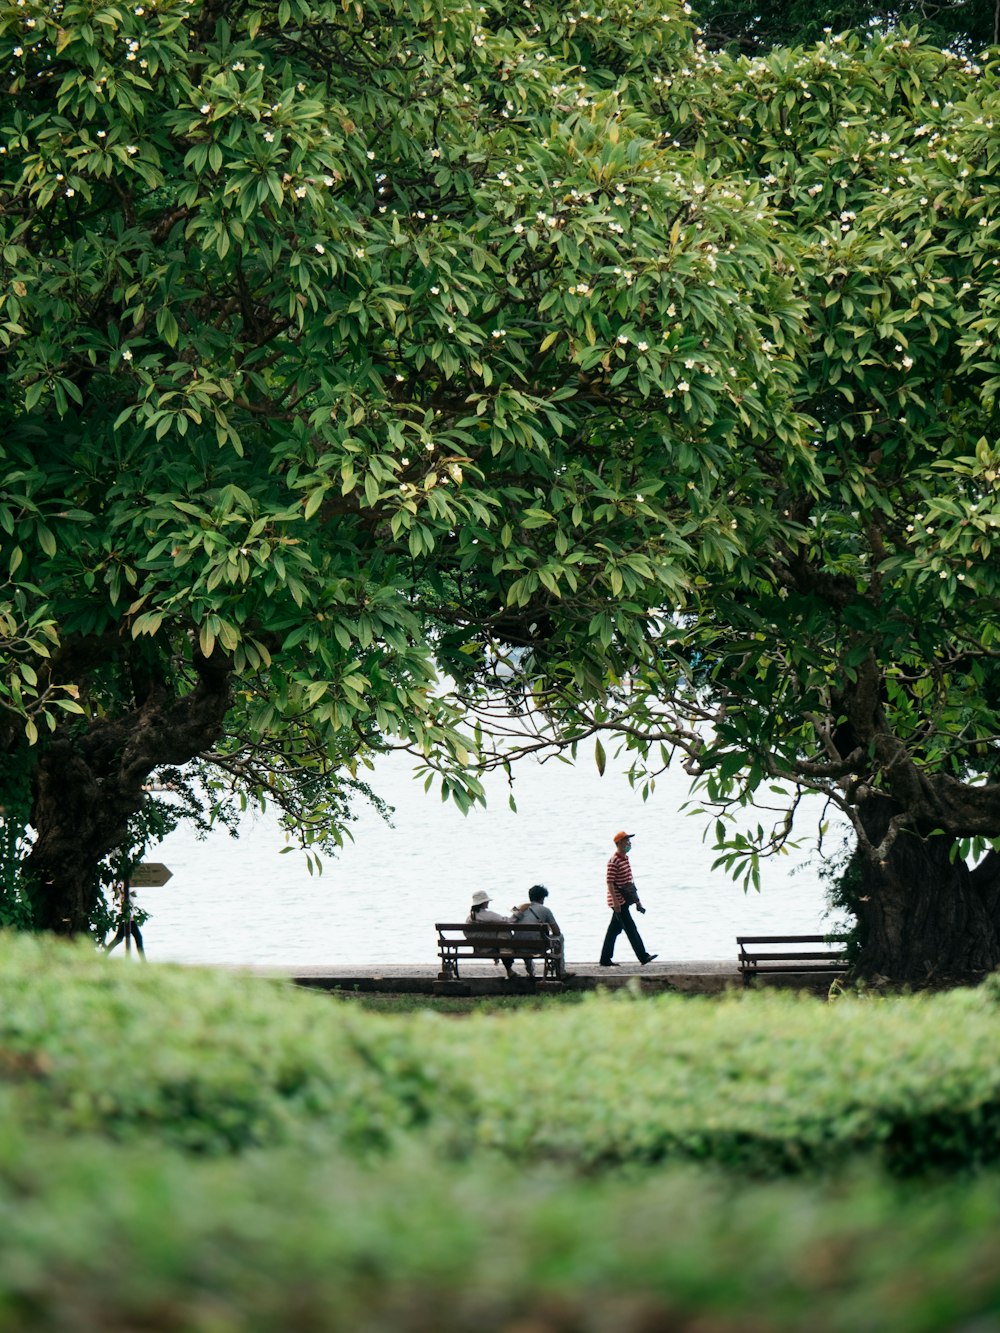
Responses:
[149,875]
[145,875]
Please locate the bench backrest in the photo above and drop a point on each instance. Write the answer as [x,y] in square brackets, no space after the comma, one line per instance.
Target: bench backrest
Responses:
[493,935]
[790,939]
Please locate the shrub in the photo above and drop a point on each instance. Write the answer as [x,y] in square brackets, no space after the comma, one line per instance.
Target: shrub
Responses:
[765,1083]
[98,1238]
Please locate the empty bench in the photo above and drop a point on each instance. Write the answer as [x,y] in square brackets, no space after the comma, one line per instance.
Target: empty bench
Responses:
[463,940]
[789,953]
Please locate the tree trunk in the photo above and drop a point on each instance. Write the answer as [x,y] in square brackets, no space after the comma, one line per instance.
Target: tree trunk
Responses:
[925,919]
[88,784]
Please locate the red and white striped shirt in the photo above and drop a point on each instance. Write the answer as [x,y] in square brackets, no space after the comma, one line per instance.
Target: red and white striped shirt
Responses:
[619,873]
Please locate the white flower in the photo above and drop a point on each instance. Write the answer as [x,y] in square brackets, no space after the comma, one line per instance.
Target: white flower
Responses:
[907,362]
[370,155]
[300,192]
[623,339]
[268,136]
[435,291]
[643,347]
[131,149]
[205,108]
[319,248]
[683,386]
[359,252]
[19,50]
[70,193]
[126,355]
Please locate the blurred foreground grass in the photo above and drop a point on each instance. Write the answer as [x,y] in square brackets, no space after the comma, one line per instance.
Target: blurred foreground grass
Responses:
[187,1151]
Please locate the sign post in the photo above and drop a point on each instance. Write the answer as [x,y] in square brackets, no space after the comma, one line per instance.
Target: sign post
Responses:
[149,875]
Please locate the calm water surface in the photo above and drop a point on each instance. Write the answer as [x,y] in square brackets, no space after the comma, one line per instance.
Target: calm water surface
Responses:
[247,901]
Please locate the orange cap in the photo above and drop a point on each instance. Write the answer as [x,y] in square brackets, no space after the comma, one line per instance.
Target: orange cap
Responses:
[620,836]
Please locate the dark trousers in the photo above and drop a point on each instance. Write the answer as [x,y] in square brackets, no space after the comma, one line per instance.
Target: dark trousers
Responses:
[125,932]
[621,920]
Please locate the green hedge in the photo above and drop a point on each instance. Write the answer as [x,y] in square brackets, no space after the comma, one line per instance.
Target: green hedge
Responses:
[189,1152]
[764,1083]
[103,1240]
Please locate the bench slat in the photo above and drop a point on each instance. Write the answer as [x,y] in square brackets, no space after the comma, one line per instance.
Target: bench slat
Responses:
[755,954]
[790,939]
[831,966]
[753,960]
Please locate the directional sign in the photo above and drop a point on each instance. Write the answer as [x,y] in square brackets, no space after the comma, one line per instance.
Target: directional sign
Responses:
[149,875]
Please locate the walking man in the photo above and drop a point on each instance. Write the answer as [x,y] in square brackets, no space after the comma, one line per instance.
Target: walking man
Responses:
[622,897]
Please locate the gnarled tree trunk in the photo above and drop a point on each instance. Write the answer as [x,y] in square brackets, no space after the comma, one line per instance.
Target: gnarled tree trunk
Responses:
[89,783]
[926,919]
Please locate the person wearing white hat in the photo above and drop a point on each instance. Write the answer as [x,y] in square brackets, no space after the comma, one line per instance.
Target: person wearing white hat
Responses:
[479,914]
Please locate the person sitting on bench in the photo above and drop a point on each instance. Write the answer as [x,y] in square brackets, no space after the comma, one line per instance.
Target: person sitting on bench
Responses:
[480,915]
[535,910]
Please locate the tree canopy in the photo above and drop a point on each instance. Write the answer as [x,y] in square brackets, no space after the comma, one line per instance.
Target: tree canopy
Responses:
[854,652]
[749,27]
[343,343]
[364,359]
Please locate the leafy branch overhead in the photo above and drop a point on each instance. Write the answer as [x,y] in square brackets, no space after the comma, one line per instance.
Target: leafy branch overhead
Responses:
[343,341]
[852,650]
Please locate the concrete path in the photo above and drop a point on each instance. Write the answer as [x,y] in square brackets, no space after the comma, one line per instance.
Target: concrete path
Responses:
[483,978]
[706,977]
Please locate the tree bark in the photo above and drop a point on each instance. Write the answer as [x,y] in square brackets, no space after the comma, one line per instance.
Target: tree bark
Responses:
[926,919]
[88,784]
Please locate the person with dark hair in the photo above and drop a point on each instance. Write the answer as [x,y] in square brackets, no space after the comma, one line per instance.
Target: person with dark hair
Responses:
[622,897]
[534,910]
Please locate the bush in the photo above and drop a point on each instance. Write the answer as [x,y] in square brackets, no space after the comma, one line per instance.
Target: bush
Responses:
[98,1239]
[764,1083]
[201,1153]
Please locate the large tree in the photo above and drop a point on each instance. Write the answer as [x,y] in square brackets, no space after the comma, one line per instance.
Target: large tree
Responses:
[339,342]
[856,651]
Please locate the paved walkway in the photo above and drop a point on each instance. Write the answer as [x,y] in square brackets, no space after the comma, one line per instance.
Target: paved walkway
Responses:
[486,978]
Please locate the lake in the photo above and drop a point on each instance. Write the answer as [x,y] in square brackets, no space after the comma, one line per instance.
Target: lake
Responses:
[246,901]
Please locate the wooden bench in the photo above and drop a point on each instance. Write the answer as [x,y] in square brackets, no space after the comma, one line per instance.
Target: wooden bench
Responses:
[463,940]
[758,954]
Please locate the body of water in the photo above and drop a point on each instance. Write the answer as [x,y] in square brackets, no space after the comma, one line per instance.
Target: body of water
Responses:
[245,901]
